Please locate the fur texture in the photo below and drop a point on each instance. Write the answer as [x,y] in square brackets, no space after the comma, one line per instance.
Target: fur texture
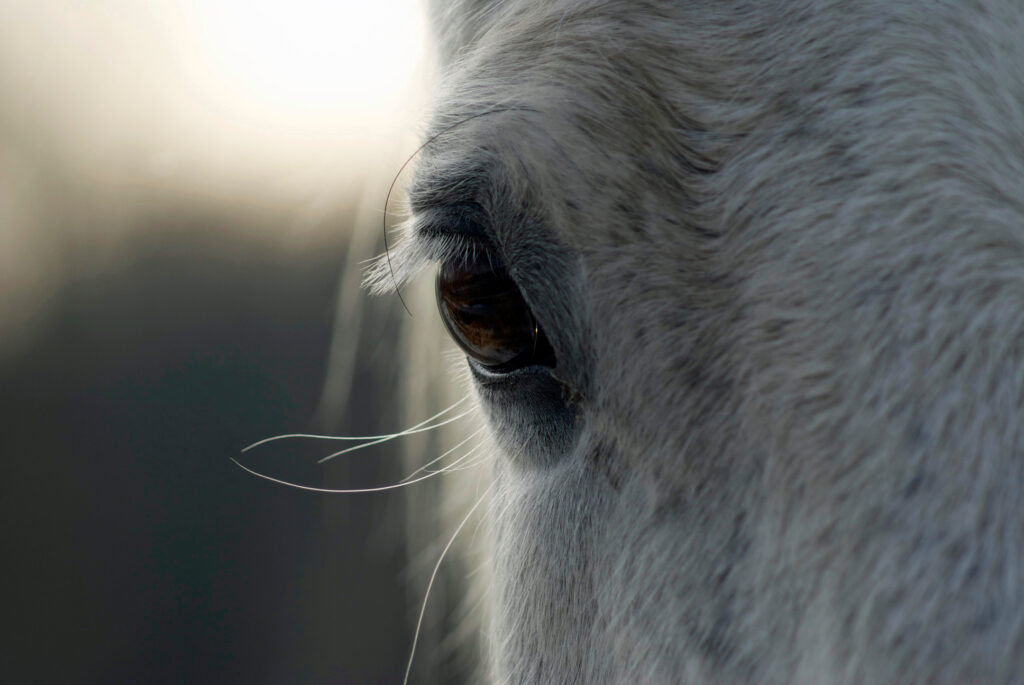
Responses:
[778,248]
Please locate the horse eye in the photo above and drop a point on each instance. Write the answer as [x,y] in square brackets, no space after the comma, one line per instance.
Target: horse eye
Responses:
[487,316]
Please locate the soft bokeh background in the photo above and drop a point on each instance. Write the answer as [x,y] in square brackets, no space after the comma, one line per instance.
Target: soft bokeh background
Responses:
[185,190]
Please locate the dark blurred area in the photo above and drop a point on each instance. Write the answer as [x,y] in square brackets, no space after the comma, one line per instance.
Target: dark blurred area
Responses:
[136,551]
[164,302]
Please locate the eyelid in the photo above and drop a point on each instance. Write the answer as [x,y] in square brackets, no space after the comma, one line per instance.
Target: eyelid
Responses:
[436,235]
[453,235]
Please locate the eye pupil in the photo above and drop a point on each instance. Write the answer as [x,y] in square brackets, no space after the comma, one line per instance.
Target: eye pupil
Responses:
[487,316]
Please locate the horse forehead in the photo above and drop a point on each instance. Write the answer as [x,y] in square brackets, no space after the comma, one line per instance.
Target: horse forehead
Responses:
[572,120]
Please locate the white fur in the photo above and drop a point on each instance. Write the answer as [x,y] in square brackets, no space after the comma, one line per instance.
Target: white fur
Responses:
[779,250]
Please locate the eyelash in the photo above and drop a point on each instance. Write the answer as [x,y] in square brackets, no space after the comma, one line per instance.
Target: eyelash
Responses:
[428,244]
[450,249]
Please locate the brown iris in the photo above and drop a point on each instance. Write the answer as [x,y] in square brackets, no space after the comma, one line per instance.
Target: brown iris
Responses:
[487,316]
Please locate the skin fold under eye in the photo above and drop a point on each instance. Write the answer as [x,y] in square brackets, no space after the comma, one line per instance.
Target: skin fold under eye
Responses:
[487,316]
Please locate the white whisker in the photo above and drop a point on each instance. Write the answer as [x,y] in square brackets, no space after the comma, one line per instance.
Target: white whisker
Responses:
[312,436]
[472,464]
[347,491]
[387,438]
[426,467]
[454,465]
[433,576]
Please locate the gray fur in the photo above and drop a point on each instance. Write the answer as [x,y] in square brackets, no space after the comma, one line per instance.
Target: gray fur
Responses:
[779,250]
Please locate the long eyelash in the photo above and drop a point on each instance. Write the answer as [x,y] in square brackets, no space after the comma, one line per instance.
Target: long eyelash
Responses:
[419,249]
[386,274]
[387,253]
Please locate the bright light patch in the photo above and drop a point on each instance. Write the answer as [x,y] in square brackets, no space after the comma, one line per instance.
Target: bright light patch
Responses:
[356,57]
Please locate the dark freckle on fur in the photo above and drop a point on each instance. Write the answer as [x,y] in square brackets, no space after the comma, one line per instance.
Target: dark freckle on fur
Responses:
[913,486]
[695,376]
[739,543]
[618,240]
[670,505]
[958,362]
[590,135]
[695,166]
[630,220]
[702,231]
[956,550]
[916,436]
[795,133]
[986,617]
[972,573]
[857,96]
[715,643]
[603,461]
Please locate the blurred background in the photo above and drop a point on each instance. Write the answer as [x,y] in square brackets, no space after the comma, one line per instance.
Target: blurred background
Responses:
[187,188]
